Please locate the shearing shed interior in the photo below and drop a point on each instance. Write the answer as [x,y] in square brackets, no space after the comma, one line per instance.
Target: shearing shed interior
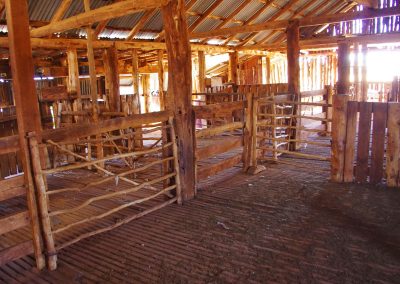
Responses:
[199,141]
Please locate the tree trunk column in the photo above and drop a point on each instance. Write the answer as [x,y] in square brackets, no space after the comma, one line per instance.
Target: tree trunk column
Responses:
[233,68]
[202,71]
[293,55]
[28,115]
[343,83]
[180,90]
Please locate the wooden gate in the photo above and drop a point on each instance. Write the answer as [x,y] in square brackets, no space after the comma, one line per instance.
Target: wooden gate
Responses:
[365,142]
[291,131]
[219,137]
[19,224]
[125,183]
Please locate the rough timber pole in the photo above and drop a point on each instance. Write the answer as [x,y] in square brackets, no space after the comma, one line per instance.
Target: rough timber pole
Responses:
[161,79]
[233,67]
[293,55]
[202,71]
[180,90]
[112,78]
[135,78]
[28,115]
[343,83]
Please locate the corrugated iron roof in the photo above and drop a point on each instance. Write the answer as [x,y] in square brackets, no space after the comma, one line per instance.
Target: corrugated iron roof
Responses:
[43,11]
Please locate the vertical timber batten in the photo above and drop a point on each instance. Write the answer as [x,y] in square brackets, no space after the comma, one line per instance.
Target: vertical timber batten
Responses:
[135,82]
[180,90]
[293,56]
[343,83]
[202,71]
[28,115]
[112,78]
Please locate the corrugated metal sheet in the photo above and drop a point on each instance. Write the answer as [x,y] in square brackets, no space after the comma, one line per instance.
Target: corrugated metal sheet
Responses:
[127,22]
[43,10]
[226,8]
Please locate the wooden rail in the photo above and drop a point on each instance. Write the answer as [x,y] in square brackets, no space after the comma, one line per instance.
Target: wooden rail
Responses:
[365,142]
[229,135]
[15,187]
[71,140]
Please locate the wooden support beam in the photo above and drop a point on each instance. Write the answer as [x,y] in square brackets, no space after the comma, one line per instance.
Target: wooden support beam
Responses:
[60,12]
[140,24]
[135,82]
[202,71]
[146,92]
[64,43]
[161,79]
[280,12]
[180,90]
[26,100]
[364,70]
[343,84]
[293,56]
[73,86]
[369,3]
[312,21]
[200,19]
[100,14]
[233,68]
[112,78]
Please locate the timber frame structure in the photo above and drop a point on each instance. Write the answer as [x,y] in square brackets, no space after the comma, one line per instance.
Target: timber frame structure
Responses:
[84,124]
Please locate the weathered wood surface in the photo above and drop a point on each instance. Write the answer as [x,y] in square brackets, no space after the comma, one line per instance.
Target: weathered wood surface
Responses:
[214,169]
[350,147]
[89,129]
[219,148]
[180,90]
[339,125]
[26,100]
[393,145]
[363,144]
[378,142]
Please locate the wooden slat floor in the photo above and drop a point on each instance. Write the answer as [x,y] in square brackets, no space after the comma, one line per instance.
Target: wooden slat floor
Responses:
[285,225]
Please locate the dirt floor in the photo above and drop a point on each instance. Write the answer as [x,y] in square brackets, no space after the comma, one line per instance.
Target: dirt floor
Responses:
[285,225]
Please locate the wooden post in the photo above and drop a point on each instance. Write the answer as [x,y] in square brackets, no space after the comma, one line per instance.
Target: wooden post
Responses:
[364,79]
[73,86]
[93,80]
[343,65]
[43,203]
[202,71]
[161,79]
[339,126]
[233,67]
[112,78]
[293,55]
[268,71]
[180,90]
[28,115]
[135,77]
[146,92]
[329,101]
[356,71]
[393,145]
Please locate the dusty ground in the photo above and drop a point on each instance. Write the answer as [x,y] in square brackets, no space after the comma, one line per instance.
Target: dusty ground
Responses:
[282,226]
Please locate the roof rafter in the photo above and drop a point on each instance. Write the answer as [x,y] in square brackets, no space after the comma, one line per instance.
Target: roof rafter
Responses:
[280,12]
[140,23]
[312,21]
[205,15]
[322,5]
[252,18]
[100,14]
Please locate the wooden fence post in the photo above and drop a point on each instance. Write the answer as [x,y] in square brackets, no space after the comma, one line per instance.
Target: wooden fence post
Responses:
[254,167]
[41,189]
[328,110]
[393,145]
[247,132]
[339,125]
